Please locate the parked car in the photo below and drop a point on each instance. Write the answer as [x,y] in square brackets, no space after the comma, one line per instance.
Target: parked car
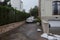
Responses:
[30,19]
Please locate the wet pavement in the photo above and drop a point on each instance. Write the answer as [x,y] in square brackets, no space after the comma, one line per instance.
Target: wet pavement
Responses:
[25,32]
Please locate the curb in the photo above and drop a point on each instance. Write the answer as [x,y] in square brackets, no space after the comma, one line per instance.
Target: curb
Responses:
[8,27]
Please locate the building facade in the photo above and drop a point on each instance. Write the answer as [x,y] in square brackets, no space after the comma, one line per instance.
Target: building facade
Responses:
[50,11]
[17,4]
[50,7]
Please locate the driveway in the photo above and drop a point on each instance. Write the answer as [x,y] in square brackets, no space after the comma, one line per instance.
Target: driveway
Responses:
[25,32]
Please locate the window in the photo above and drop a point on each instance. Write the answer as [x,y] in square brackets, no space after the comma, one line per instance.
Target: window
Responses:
[56,8]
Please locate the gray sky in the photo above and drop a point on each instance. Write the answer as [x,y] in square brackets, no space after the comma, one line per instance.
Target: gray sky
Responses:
[27,4]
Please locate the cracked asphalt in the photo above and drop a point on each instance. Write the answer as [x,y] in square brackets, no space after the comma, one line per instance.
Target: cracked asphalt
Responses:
[24,32]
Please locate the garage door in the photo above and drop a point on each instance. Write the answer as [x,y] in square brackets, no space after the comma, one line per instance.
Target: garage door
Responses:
[54,23]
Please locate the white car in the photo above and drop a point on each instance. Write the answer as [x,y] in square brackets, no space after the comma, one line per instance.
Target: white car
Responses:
[30,19]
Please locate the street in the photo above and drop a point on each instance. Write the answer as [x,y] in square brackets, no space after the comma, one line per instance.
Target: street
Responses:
[25,32]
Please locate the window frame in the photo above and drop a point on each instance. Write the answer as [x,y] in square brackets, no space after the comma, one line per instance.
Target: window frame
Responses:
[55,3]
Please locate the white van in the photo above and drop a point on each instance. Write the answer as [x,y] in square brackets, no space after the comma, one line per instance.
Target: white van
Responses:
[30,19]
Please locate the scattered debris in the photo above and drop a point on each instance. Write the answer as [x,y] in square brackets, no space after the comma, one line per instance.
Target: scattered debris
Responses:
[44,35]
[57,37]
[38,23]
[50,37]
[39,30]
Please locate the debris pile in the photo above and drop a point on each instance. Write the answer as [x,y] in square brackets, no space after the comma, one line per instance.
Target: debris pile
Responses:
[51,36]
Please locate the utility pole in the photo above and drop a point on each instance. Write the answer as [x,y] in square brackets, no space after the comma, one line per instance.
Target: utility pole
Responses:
[39,8]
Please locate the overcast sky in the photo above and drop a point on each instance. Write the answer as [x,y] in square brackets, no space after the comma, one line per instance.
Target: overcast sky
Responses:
[27,4]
